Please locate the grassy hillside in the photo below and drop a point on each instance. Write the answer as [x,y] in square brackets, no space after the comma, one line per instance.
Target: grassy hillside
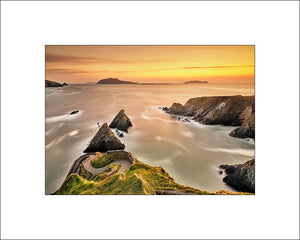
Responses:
[139,179]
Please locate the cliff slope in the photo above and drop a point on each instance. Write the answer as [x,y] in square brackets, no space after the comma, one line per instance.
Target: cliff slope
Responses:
[224,110]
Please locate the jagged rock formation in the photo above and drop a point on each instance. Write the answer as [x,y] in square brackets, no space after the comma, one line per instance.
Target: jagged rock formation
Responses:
[104,140]
[113,81]
[225,110]
[49,83]
[241,176]
[121,121]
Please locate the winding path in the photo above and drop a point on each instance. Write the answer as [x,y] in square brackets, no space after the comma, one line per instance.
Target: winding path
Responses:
[125,164]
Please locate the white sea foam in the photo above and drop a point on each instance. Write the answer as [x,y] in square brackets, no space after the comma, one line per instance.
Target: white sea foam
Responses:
[55,142]
[188,134]
[54,129]
[73,133]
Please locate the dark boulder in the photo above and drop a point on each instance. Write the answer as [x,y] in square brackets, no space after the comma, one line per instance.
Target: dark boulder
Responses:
[121,121]
[74,112]
[241,176]
[104,140]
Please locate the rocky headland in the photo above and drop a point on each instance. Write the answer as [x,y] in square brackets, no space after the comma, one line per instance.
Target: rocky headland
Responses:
[104,140]
[121,121]
[49,83]
[114,81]
[241,176]
[224,110]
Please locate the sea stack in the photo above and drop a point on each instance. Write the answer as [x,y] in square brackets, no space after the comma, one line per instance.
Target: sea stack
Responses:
[104,140]
[121,122]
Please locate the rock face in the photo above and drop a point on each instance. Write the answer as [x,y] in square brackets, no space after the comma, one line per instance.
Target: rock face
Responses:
[121,121]
[241,176]
[113,81]
[247,130]
[49,83]
[104,140]
[225,110]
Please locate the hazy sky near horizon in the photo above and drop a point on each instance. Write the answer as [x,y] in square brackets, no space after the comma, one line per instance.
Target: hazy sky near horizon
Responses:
[81,64]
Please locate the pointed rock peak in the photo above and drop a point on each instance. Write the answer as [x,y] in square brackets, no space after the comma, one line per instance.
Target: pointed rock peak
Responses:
[121,121]
[104,140]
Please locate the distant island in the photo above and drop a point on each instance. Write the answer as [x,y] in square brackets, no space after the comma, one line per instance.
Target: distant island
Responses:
[195,81]
[114,81]
[49,83]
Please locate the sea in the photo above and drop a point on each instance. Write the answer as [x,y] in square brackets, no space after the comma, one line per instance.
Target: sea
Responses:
[189,151]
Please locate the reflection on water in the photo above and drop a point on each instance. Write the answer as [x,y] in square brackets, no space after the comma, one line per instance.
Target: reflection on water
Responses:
[190,152]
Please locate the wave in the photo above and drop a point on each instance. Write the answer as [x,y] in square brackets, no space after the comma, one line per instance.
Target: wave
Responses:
[245,152]
[64,117]
[54,129]
[188,134]
[177,143]
[73,133]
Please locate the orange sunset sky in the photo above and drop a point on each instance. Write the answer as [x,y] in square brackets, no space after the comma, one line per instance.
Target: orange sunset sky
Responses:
[144,64]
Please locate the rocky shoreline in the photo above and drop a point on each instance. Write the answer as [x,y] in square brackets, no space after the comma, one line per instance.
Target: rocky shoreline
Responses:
[137,177]
[49,83]
[225,110]
[241,176]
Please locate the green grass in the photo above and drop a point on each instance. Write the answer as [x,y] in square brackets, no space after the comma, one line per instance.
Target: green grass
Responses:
[139,179]
[108,158]
[84,173]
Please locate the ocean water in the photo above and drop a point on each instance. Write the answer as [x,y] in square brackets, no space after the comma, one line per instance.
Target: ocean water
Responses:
[190,152]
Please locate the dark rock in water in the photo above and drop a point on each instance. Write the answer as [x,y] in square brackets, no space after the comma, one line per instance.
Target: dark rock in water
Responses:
[104,140]
[241,176]
[49,83]
[179,118]
[220,172]
[186,120]
[74,112]
[121,135]
[165,108]
[121,121]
